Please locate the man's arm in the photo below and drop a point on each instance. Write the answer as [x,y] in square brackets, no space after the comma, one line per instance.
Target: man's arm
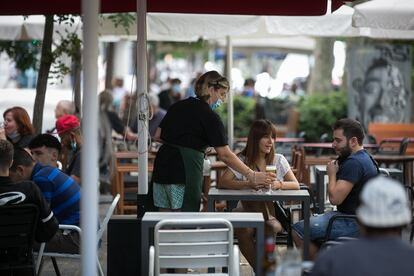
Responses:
[47,224]
[338,190]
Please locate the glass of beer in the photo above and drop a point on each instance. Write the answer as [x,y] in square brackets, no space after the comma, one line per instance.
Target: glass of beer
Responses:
[270,168]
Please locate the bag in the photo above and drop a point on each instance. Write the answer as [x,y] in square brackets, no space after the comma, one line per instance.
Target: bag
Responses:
[283,215]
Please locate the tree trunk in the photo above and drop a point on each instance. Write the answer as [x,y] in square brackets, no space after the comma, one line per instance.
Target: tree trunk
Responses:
[321,74]
[45,63]
[110,49]
[77,84]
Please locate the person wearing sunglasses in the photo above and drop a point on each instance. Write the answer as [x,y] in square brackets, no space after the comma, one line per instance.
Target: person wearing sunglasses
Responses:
[188,128]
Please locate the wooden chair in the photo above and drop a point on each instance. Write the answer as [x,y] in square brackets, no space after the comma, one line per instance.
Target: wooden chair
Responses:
[17,232]
[124,164]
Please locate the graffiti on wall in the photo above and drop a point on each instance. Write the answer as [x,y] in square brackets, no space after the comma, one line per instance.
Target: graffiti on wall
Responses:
[379,83]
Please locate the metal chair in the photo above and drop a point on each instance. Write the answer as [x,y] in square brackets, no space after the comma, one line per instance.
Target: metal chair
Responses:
[194,243]
[17,232]
[54,255]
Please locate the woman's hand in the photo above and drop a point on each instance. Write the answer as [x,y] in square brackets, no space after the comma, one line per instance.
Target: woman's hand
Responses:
[277,185]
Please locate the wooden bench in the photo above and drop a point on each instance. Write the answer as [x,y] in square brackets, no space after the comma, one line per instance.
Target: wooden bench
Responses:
[396,131]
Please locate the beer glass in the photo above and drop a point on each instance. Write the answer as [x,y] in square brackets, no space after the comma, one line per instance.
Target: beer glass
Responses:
[270,168]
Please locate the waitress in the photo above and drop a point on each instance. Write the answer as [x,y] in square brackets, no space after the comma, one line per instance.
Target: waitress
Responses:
[188,128]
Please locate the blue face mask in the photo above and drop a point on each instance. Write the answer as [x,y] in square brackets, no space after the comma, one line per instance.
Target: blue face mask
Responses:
[176,88]
[73,145]
[216,104]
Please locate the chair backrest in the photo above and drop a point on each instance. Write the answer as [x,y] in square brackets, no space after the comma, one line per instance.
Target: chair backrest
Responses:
[109,212]
[17,232]
[193,243]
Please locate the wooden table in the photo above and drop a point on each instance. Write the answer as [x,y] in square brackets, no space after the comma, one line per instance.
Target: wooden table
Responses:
[284,195]
[120,168]
[238,220]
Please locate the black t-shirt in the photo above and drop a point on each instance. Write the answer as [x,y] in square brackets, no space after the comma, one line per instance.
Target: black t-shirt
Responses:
[27,192]
[379,256]
[191,123]
[358,168]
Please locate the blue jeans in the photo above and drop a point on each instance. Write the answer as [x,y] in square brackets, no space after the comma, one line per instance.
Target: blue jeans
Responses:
[318,224]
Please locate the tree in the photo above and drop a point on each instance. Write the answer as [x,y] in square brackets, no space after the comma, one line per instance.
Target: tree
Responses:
[321,74]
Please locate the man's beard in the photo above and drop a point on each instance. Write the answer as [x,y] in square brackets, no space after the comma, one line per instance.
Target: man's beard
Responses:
[344,153]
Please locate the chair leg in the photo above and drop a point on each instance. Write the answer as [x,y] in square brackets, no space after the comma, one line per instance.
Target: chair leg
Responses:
[40,258]
[100,270]
[55,266]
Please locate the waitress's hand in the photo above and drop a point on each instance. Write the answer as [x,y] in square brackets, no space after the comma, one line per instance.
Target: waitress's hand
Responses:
[256,186]
[265,178]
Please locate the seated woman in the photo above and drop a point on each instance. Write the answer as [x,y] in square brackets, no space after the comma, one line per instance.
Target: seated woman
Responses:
[259,153]
[17,127]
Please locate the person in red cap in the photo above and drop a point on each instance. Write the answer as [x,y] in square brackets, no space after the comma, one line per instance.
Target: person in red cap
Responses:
[68,129]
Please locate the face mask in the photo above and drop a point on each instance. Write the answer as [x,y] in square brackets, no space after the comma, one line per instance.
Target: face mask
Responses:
[216,104]
[73,145]
[14,135]
[176,88]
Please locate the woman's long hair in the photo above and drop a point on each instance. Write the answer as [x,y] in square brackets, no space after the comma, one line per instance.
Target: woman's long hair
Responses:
[20,115]
[258,130]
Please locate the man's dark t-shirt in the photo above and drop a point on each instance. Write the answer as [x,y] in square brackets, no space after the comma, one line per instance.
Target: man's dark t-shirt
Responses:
[358,168]
[379,256]
[24,193]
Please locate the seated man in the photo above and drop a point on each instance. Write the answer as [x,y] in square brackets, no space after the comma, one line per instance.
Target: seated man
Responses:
[383,212]
[347,176]
[45,149]
[25,192]
[60,190]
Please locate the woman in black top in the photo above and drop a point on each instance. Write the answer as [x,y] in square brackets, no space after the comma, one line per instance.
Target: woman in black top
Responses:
[188,128]
[17,126]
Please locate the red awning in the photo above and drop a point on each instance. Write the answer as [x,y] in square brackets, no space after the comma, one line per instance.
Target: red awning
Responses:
[257,7]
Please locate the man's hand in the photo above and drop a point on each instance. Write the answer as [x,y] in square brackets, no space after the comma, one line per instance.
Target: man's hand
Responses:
[332,168]
[2,133]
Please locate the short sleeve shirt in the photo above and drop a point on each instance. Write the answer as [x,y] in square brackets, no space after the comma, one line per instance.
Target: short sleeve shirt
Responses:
[358,168]
[191,123]
[282,168]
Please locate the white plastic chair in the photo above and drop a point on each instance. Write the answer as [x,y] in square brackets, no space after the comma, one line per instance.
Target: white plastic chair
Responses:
[102,227]
[194,243]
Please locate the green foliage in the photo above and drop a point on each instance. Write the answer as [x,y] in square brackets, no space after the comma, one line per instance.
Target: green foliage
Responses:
[319,112]
[244,114]
[125,20]
[24,53]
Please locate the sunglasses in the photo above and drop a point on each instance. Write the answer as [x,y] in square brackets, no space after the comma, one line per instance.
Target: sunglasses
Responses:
[220,83]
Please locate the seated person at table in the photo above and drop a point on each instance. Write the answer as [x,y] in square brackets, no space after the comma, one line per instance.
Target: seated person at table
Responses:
[383,213]
[347,176]
[24,192]
[259,153]
[45,149]
[60,191]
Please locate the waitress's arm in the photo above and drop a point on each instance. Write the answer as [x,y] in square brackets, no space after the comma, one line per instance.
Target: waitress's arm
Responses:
[228,181]
[157,135]
[227,156]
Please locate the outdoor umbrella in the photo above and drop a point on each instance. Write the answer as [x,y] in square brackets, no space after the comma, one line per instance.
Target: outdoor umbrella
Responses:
[32,27]
[385,14]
